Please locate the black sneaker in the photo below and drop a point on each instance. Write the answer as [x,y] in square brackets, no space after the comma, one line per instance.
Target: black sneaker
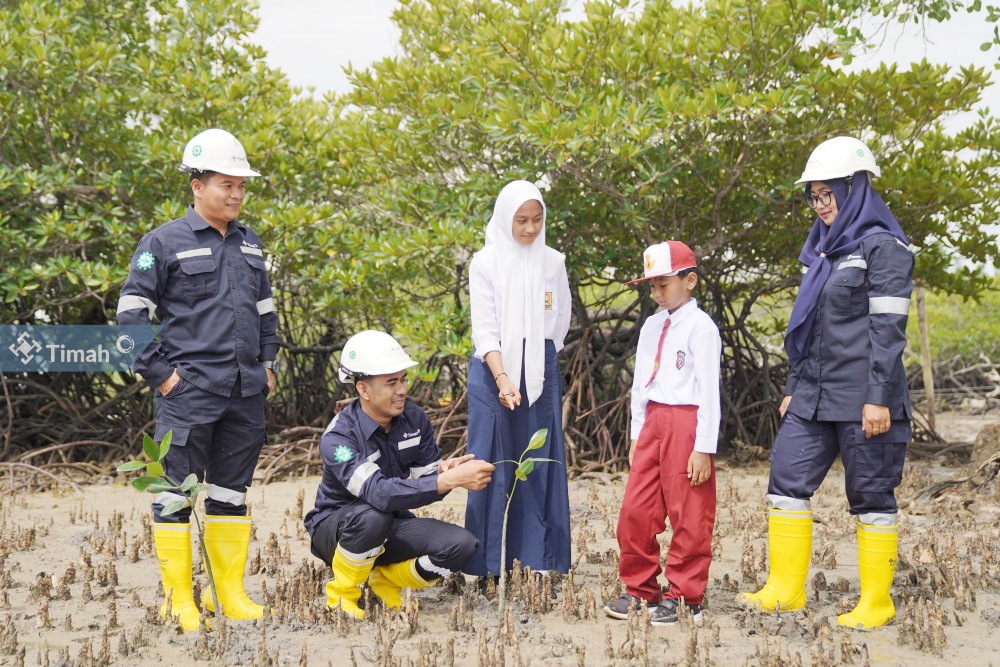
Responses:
[665,613]
[620,607]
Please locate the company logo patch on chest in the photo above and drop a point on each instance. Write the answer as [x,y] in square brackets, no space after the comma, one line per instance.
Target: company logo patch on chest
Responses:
[409,442]
[680,359]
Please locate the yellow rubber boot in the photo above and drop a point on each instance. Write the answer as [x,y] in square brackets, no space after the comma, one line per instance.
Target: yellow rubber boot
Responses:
[350,571]
[387,581]
[173,552]
[877,550]
[227,541]
[789,544]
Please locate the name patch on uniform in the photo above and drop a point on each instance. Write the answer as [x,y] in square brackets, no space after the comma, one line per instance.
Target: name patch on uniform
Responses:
[548,301]
[680,359]
[409,442]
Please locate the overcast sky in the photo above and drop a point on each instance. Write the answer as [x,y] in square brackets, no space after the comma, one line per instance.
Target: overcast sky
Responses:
[312,40]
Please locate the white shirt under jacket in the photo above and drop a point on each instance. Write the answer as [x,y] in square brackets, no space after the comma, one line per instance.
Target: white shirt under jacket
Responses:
[487,306]
[689,371]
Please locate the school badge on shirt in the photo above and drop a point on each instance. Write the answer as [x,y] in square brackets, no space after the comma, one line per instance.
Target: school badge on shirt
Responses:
[680,359]
[548,301]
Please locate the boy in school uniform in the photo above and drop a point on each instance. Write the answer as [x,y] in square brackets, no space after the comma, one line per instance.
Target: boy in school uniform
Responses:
[675,431]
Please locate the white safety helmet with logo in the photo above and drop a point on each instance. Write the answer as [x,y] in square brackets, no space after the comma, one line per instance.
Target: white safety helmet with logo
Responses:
[372,353]
[840,157]
[216,150]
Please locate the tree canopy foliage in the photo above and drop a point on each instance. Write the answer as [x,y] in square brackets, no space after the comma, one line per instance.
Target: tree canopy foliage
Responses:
[641,122]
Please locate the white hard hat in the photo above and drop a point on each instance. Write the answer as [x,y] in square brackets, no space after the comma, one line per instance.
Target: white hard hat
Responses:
[216,150]
[372,353]
[839,157]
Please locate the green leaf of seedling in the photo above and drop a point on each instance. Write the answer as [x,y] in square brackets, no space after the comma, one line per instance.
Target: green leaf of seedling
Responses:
[131,465]
[165,444]
[538,440]
[189,482]
[175,506]
[520,475]
[150,447]
[538,459]
[141,483]
[527,466]
[155,469]
[159,486]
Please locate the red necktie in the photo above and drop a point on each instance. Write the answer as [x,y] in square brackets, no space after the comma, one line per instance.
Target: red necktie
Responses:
[659,351]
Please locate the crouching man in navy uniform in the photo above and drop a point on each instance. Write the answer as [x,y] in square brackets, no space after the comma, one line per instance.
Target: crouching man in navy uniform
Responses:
[204,276]
[380,460]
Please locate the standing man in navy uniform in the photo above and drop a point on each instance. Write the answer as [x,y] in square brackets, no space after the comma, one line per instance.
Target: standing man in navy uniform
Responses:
[204,277]
[380,460]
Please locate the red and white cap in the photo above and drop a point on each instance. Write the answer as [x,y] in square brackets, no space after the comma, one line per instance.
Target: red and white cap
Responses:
[666,259]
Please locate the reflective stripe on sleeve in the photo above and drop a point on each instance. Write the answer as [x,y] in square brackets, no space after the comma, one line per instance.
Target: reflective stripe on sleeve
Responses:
[420,471]
[224,495]
[252,251]
[333,422]
[360,476]
[197,252]
[888,305]
[133,302]
[265,306]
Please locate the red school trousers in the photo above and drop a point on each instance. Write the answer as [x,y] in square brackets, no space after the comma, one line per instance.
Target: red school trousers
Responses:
[658,488]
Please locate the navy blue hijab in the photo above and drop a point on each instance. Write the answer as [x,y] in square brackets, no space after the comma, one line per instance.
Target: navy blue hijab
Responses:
[861,213]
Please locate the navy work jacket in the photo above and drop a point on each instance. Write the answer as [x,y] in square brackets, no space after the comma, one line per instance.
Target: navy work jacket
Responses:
[214,302]
[856,353]
[391,471]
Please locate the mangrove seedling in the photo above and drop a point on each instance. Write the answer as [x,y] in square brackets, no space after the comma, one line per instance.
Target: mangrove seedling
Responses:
[155,480]
[525,466]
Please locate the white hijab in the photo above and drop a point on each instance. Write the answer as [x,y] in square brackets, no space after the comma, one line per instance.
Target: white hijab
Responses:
[517,272]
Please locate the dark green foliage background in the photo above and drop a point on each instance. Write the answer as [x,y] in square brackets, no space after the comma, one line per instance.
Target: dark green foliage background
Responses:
[661,122]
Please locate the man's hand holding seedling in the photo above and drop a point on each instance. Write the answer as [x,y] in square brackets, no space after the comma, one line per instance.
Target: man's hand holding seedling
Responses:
[466,472]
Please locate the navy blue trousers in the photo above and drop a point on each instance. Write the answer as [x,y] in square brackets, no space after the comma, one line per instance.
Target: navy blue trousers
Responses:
[218,438]
[538,525]
[359,528]
[805,449]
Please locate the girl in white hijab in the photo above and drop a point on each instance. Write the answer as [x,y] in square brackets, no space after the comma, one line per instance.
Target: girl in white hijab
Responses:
[521,311]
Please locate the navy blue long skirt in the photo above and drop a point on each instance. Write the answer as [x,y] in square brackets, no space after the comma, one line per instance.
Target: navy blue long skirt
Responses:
[538,522]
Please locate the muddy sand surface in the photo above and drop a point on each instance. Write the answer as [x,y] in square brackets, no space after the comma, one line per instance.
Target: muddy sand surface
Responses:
[80,586]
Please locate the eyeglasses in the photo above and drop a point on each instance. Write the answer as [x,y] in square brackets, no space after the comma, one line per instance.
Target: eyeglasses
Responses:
[822,199]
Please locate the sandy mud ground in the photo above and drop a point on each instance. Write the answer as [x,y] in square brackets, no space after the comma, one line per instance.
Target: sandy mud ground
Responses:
[80,586]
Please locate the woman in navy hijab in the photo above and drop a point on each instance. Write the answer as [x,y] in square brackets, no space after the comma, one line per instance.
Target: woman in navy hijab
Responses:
[846,391]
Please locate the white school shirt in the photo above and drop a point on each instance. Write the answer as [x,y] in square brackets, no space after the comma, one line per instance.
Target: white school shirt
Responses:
[487,308]
[689,371]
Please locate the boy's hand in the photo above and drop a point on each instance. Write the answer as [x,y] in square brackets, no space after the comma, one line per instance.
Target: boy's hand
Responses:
[699,468]
[631,452]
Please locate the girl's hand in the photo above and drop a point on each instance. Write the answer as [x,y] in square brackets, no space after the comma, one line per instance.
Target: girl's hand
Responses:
[508,394]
